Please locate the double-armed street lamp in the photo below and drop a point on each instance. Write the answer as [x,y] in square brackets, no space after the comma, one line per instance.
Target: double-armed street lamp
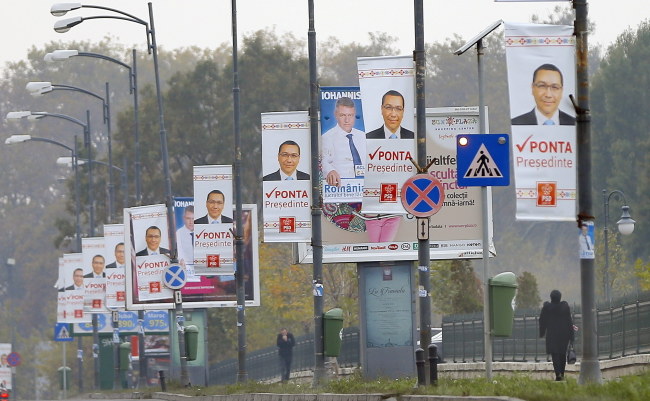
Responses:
[64,54]
[65,25]
[625,226]
[41,88]
[15,139]
[35,115]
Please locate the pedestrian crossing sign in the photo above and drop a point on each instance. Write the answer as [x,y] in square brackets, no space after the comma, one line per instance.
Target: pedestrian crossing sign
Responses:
[483,160]
[62,332]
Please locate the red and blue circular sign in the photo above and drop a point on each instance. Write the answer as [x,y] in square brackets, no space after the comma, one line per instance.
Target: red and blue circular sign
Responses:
[422,195]
[13,359]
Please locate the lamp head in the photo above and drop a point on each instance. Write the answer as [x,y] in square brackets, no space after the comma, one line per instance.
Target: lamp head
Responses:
[17,115]
[64,25]
[60,9]
[59,55]
[626,223]
[17,139]
[38,88]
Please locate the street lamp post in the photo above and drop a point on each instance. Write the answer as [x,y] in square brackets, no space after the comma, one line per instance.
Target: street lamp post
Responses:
[35,115]
[14,139]
[60,55]
[625,227]
[41,88]
[65,25]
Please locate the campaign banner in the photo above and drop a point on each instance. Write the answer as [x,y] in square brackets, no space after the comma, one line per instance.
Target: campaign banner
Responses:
[5,369]
[343,144]
[455,230]
[213,232]
[541,76]
[286,180]
[94,262]
[147,244]
[60,292]
[116,268]
[74,288]
[388,97]
[213,291]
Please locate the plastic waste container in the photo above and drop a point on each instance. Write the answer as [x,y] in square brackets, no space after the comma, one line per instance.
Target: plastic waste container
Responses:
[191,342]
[503,287]
[332,331]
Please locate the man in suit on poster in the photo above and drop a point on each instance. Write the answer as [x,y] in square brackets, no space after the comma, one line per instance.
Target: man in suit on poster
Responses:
[152,237]
[214,203]
[288,159]
[119,257]
[547,89]
[392,110]
[98,268]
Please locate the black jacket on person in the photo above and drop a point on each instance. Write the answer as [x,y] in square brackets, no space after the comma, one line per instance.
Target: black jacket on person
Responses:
[555,323]
[285,348]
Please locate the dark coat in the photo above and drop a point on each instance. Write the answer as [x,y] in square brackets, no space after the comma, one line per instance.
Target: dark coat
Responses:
[379,133]
[285,348]
[555,323]
[530,118]
[204,220]
[275,176]
[144,252]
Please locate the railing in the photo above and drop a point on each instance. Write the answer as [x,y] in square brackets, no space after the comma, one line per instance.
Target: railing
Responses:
[623,329]
[264,364]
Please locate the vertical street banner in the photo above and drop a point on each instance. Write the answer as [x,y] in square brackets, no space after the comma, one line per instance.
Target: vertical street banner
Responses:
[388,97]
[116,266]
[184,226]
[5,369]
[147,249]
[60,293]
[74,288]
[94,263]
[286,178]
[541,76]
[343,144]
[213,223]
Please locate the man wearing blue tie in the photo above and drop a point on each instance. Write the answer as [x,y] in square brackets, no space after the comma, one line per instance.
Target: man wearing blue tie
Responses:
[547,89]
[214,203]
[288,159]
[344,147]
[392,111]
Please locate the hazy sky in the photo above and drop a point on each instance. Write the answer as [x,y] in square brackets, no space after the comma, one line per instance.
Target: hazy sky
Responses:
[207,23]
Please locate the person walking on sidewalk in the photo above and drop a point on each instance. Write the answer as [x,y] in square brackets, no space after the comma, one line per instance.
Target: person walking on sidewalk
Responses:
[555,323]
[285,344]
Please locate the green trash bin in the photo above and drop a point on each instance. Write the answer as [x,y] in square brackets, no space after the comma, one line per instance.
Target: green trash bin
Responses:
[125,350]
[191,342]
[503,287]
[64,372]
[332,331]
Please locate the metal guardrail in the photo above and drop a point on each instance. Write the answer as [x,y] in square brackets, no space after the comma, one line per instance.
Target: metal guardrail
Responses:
[623,329]
[263,364]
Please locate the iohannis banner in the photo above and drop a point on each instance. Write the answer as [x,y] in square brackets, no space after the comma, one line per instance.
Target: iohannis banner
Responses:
[147,249]
[213,223]
[541,76]
[116,266]
[286,180]
[343,144]
[388,98]
[94,262]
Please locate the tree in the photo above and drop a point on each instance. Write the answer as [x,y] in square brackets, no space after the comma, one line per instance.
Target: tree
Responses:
[455,288]
[527,292]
